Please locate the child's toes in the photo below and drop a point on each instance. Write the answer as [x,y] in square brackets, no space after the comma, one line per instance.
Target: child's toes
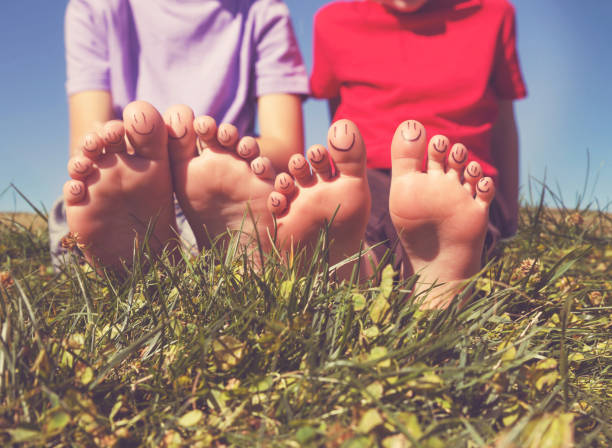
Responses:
[319,159]
[485,190]
[114,137]
[436,153]
[457,158]
[284,184]
[92,146]
[277,203]
[472,174]
[74,192]
[80,167]
[300,170]
[248,148]
[408,148]
[146,130]
[262,167]
[181,136]
[227,135]
[346,148]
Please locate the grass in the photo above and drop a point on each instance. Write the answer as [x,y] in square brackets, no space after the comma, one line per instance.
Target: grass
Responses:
[211,352]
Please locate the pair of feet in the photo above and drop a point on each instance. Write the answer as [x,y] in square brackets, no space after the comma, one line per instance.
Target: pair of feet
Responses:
[123,183]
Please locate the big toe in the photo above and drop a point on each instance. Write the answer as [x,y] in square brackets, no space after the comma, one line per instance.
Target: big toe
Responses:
[347,148]
[408,147]
[146,130]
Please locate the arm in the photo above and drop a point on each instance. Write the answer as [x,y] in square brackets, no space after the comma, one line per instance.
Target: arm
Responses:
[87,112]
[281,127]
[504,140]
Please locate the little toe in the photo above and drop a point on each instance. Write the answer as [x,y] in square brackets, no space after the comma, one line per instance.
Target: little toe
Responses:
[408,148]
[319,159]
[299,169]
[472,174]
[80,167]
[181,136]
[74,191]
[146,130]
[485,190]
[277,203]
[347,148]
[114,137]
[262,167]
[457,158]
[284,184]
[436,153]
[248,148]
[92,146]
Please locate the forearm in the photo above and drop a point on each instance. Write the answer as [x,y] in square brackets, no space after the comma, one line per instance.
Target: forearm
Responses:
[88,111]
[279,150]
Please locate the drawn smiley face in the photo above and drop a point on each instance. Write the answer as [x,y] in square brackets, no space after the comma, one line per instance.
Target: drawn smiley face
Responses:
[90,145]
[284,182]
[179,130]
[344,140]
[80,167]
[316,155]
[140,124]
[201,125]
[412,131]
[440,145]
[245,150]
[459,154]
[276,202]
[76,189]
[473,170]
[484,185]
[113,137]
[258,167]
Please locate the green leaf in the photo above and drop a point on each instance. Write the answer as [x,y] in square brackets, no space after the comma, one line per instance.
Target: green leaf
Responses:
[305,434]
[359,302]
[379,310]
[56,421]
[21,435]
[191,418]
[370,420]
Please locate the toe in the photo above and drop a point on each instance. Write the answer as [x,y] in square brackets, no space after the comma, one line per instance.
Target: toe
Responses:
[206,131]
[472,174]
[436,153]
[181,136]
[284,184]
[227,135]
[299,169]
[347,148]
[457,158]
[485,190]
[262,167]
[92,146]
[114,136]
[145,130]
[408,147]
[74,191]
[277,203]
[319,159]
[248,148]
[80,167]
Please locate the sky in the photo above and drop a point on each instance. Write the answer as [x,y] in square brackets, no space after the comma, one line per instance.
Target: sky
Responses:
[564,124]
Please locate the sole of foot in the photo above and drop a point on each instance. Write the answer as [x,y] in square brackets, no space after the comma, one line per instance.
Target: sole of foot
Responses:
[441,215]
[336,187]
[220,180]
[121,189]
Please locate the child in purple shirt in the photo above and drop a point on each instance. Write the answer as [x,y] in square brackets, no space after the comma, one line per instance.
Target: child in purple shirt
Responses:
[233,60]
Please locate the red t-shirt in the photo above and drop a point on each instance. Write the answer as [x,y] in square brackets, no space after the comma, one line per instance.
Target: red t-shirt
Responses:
[446,65]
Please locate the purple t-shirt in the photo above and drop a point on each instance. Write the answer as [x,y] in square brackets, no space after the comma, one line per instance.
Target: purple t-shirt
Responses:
[217,56]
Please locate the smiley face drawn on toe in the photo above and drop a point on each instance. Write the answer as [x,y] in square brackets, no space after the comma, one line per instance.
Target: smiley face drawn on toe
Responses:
[90,144]
[258,167]
[76,189]
[79,167]
[320,155]
[474,170]
[113,137]
[275,202]
[440,146]
[179,120]
[224,137]
[411,135]
[459,154]
[141,127]
[484,185]
[334,142]
[298,163]
[244,150]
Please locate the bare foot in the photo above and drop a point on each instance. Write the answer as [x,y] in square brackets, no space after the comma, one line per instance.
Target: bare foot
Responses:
[305,202]
[215,187]
[121,186]
[441,221]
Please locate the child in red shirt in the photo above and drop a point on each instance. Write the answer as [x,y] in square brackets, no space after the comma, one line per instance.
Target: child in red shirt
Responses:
[451,64]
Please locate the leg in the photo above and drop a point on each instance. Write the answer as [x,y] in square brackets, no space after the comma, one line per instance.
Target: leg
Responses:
[441,221]
[121,187]
[305,201]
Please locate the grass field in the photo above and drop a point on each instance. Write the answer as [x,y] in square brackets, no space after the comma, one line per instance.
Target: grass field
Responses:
[211,352]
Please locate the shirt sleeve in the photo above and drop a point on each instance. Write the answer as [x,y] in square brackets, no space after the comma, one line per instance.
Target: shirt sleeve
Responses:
[323,82]
[87,65]
[279,67]
[507,78]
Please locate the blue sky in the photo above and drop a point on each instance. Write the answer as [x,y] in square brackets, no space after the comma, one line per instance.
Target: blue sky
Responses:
[565,53]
